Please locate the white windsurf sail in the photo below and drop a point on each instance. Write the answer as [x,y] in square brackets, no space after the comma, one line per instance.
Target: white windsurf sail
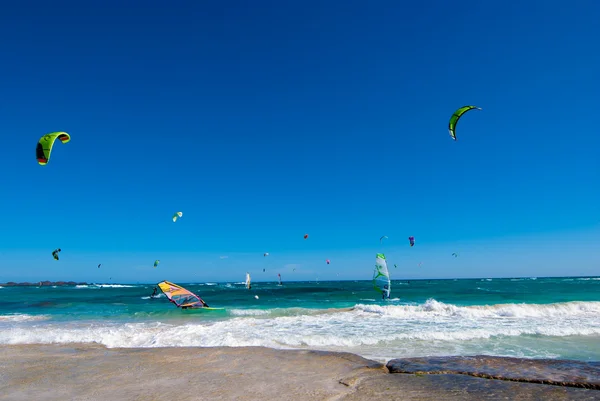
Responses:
[248,280]
[381,276]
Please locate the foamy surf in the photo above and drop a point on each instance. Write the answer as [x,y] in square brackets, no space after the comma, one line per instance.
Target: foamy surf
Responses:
[23,318]
[376,331]
[104,286]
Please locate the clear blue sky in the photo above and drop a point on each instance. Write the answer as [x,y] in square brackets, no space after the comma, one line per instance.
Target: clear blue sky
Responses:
[265,120]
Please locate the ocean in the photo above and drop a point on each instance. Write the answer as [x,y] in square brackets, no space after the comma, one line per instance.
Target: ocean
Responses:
[519,317]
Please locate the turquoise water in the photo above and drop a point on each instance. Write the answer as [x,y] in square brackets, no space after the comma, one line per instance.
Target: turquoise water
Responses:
[544,317]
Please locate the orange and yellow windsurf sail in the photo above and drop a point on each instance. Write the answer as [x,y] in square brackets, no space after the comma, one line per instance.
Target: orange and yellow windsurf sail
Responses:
[180,296]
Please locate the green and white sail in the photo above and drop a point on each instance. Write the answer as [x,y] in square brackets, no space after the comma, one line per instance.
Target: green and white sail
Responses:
[381,276]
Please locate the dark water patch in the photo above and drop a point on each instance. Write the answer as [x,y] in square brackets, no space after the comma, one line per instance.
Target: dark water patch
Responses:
[544,371]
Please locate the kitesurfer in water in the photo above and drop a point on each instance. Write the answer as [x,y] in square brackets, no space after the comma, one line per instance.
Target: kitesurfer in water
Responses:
[154,293]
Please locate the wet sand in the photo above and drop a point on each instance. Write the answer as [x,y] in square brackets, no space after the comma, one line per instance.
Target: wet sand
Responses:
[93,372]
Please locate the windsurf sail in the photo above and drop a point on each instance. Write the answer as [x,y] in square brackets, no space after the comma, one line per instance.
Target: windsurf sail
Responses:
[248,281]
[381,276]
[180,296]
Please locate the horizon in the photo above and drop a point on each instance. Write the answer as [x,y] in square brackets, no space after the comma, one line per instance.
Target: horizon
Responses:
[303,281]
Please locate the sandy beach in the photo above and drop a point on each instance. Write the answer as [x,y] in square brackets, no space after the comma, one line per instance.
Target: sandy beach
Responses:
[94,372]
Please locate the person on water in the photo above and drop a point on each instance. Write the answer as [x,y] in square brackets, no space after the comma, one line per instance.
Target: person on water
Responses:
[385,293]
[154,293]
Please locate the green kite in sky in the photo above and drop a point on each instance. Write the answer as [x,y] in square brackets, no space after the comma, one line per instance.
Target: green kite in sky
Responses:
[455,117]
[44,146]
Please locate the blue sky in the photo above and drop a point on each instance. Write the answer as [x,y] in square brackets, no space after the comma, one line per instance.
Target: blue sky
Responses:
[262,121]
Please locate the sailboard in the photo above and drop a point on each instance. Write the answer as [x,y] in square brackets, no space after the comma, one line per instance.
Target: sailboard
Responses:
[248,281]
[181,297]
[381,276]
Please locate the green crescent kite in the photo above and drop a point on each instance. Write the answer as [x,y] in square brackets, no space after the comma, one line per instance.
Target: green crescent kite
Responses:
[454,119]
[44,146]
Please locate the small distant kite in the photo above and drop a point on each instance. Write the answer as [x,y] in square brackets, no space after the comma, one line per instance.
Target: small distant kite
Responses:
[395,265]
[176,216]
[99,265]
[305,236]
[55,253]
[455,255]
[327,261]
[45,144]
[266,254]
[456,116]
[411,239]
[382,238]
[156,262]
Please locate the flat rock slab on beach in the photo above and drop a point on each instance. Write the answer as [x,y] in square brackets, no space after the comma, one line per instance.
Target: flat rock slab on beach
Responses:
[93,372]
[546,371]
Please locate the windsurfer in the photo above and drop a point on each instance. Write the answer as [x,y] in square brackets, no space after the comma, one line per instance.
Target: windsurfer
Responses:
[386,292]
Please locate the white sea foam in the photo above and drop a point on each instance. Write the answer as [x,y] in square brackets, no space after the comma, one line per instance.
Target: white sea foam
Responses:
[250,312]
[105,286]
[434,308]
[376,331]
[23,318]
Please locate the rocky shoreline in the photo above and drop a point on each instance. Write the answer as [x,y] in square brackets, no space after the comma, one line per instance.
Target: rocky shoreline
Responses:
[558,372]
[41,283]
